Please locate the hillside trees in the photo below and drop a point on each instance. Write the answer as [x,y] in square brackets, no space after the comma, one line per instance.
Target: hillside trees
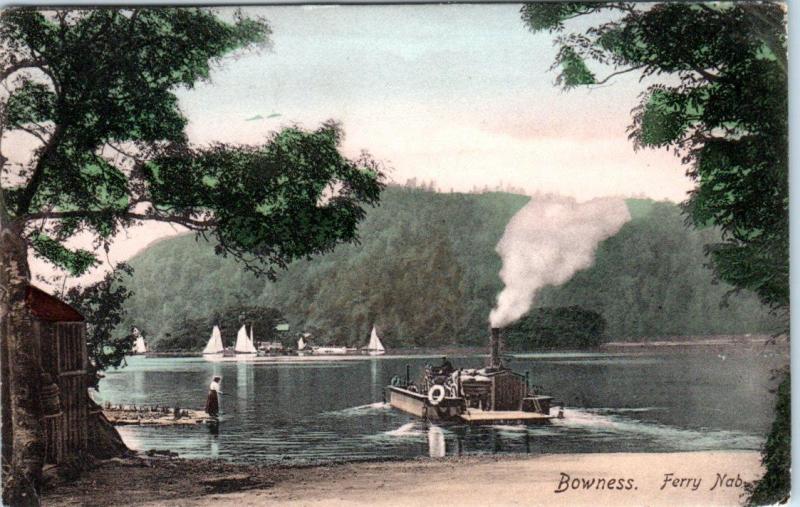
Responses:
[192,334]
[93,92]
[563,327]
[407,285]
[648,281]
[722,105]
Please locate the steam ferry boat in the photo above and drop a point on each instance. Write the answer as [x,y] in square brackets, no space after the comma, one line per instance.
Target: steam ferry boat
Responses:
[491,395]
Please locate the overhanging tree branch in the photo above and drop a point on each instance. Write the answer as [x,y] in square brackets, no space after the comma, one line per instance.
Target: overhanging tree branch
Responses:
[48,149]
[617,73]
[22,64]
[186,221]
[708,75]
[35,133]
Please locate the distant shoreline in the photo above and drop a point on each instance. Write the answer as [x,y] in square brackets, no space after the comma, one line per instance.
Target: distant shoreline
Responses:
[656,343]
[681,341]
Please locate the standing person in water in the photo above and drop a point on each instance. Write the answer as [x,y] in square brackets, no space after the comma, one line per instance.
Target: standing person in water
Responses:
[212,402]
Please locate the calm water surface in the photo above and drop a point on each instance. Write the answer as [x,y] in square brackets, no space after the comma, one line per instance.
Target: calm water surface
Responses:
[704,399]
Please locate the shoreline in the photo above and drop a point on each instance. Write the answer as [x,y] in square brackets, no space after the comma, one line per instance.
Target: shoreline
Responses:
[708,341]
[683,478]
[657,343]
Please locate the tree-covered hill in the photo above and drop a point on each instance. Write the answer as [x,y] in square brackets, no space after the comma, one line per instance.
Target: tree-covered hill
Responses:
[426,274]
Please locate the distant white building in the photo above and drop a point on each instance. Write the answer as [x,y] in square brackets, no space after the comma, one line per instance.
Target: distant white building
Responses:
[270,346]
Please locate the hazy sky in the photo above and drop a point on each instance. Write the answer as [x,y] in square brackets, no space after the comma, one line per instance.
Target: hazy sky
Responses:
[459,94]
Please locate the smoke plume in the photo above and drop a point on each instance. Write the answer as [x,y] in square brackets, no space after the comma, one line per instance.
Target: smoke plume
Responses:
[547,242]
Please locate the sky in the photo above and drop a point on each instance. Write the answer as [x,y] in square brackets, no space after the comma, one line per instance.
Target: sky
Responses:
[458,94]
[461,95]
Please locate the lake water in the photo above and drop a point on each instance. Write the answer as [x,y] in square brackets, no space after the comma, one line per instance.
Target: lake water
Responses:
[704,399]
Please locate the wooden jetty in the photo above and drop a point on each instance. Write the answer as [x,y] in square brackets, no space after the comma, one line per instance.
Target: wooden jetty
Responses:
[123,415]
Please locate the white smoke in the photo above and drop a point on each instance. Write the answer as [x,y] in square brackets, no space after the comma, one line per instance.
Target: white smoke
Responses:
[547,242]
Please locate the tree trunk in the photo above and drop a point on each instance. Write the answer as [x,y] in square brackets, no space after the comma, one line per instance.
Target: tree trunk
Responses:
[105,442]
[22,438]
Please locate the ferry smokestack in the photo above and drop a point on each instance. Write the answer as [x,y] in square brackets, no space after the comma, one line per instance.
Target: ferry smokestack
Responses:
[494,342]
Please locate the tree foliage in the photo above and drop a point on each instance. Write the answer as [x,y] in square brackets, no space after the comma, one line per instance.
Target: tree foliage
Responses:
[102,305]
[721,105]
[776,454]
[96,88]
[562,327]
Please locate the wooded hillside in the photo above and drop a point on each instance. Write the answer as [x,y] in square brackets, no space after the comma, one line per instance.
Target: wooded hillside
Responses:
[426,274]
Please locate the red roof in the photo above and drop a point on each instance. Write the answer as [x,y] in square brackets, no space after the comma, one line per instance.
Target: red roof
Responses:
[47,307]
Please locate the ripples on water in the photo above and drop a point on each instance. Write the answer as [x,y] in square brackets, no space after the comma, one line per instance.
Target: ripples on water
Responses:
[333,411]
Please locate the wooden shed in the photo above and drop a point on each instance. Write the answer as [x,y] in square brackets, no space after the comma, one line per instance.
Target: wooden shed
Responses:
[61,333]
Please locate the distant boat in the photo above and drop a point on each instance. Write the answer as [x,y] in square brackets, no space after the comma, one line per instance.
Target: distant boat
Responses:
[303,347]
[139,346]
[214,348]
[333,351]
[244,344]
[374,347]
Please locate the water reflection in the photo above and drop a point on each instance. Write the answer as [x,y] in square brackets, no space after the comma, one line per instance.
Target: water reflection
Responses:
[211,440]
[377,386]
[333,410]
[137,381]
[213,427]
[497,441]
[244,385]
[436,443]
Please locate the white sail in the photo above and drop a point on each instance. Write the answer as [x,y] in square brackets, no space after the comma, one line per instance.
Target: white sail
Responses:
[140,347]
[301,344]
[252,341]
[243,343]
[214,345]
[375,342]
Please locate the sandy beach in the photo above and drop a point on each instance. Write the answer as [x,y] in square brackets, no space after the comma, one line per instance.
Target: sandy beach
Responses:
[669,479]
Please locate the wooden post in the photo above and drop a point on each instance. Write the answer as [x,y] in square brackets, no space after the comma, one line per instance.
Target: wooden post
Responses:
[83,387]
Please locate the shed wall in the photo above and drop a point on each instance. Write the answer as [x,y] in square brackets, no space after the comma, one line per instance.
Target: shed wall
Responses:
[64,358]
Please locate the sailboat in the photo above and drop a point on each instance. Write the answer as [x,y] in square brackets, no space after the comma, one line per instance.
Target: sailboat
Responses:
[374,347]
[252,340]
[214,348]
[140,347]
[244,347]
